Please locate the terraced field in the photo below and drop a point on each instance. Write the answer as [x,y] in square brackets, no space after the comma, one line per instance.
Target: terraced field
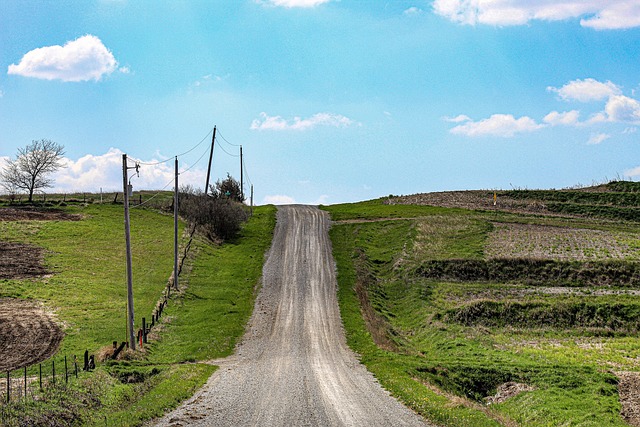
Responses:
[478,315]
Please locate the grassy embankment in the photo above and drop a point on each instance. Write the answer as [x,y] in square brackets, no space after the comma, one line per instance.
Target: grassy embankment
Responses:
[87,293]
[443,333]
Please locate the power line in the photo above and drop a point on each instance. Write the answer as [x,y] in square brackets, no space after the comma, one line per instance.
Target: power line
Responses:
[197,161]
[179,155]
[225,140]
[154,196]
[228,153]
[244,165]
[201,141]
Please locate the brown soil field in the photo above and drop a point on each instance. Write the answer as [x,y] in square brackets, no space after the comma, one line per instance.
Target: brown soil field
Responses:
[629,389]
[28,334]
[474,199]
[20,261]
[34,214]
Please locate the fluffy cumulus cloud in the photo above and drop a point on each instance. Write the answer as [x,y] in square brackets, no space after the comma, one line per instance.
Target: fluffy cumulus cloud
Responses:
[567,118]
[503,125]
[586,90]
[292,3]
[83,59]
[596,14]
[91,173]
[277,123]
[620,108]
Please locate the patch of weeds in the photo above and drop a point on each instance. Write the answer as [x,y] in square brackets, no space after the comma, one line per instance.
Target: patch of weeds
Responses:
[563,315]
[128,373]
[533,271]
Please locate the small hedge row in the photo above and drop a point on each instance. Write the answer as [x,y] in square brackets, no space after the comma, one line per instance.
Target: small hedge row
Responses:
[534,272]
[577,197]
[563,315]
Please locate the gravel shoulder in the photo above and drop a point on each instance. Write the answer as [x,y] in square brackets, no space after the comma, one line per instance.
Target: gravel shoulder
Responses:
[293,366]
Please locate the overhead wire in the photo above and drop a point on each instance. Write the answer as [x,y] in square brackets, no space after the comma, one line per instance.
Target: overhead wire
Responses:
[178,155]
[244,166]
[196,162]
[228,153]
[225,140]
[154,196]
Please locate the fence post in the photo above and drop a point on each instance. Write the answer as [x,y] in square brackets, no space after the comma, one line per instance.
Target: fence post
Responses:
[25,383]
[53,368]
[144,330]
[8,386]
[66,371]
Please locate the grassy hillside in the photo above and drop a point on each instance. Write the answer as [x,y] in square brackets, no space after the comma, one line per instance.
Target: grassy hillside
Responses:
[481,318]
[87,293]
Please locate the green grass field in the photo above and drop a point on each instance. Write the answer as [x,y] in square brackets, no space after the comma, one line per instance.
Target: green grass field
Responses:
[448,341]
[87,294]
[457,303]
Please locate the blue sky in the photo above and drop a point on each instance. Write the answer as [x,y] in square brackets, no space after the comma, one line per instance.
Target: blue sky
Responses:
[332,100]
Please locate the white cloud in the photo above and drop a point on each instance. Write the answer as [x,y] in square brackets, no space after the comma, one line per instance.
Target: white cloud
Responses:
[503,125]
[596,14]
[597,138]
[620,108]
[618,15]
[91,172]
[292,3]
[83,59]
[412,11]
[630,130]
[632,173]
[278,199]
[586,90]
[567,118]
[458,119]
[597,118]
[322,200]
[277,123]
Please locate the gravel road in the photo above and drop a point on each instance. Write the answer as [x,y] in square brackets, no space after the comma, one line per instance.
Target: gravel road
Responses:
[293,367]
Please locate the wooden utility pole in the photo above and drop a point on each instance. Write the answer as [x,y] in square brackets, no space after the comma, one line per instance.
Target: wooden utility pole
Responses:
[175,228]
[213,140]
[241,181]
[251,199]
[127,233]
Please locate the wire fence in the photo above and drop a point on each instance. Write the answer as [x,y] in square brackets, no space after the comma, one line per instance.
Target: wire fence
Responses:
[30,381]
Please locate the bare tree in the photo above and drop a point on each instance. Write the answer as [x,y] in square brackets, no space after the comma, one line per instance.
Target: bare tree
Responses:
[31,169]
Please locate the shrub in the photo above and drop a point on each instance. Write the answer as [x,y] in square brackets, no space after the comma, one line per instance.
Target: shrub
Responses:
[216,218]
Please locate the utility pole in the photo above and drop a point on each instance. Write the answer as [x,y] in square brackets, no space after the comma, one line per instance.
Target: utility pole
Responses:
[127,233]
[241,182]
[251,199]
[175,228]
[213,140]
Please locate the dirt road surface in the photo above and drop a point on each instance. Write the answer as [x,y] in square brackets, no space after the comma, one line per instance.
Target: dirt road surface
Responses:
[293,367]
